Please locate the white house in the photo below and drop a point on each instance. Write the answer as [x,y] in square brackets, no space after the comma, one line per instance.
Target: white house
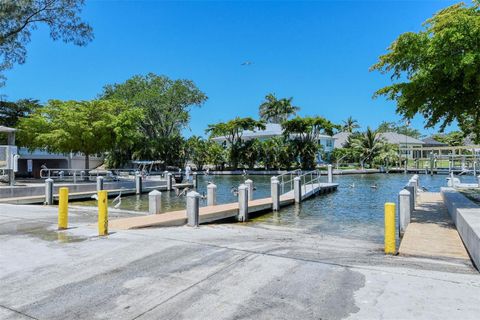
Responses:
[275,130]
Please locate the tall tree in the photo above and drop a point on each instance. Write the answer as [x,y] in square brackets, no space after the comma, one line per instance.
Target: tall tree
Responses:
[166,104]
[436,70]
[12,112]
[350,125]
[233,131]
[304,134]
[89,127]
[368,145]
[19,18]
[386,126]
[277,110]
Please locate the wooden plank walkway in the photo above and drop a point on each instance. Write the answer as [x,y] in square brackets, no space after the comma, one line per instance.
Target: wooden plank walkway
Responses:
[214,213]
[431,232]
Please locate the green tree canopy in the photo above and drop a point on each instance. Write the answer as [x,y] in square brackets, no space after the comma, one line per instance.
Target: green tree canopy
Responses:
[436,70]
[454,138]
[233,131]
[368,146]
[386,126]
[277,110]
[12,112]
[19,18]
[89,127]
[166,104]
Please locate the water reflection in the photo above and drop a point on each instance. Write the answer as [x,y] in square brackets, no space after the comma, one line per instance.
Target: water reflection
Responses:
[354,210]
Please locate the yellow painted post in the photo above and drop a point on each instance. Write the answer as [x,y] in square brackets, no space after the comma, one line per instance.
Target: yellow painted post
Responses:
[102,213]
[62,208]
[390,228]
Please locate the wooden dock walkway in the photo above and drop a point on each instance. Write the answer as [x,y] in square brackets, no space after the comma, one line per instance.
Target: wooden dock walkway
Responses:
[431,232]
[218,212]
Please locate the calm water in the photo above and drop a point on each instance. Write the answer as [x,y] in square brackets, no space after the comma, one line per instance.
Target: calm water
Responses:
[355,210]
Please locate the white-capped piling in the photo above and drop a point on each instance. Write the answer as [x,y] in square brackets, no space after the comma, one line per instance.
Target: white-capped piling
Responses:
[297,189]
[49,191]
[138,183]
[411,190]
[99,183]
[169,177]
[154,202]
[211,194]
[249,184]
[330,173]
[242,203]
[275,192]
[193,209]
[195,179]
[404,209]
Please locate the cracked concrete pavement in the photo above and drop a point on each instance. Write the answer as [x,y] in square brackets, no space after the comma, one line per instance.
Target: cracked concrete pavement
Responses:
[228,271]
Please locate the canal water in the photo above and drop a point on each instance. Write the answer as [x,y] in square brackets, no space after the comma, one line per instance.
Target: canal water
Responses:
[355,210]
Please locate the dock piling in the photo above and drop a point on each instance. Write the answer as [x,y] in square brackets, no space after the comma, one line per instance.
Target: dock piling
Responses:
[411,190]
[62,208]
[404,208]
[138,183]
[195,180]
[390,228]
[99,183]
[193,209]
[330,173]
[102,213]
[211,194]
[297,189]
[242,203]
[154,202]
[49,191]
[249,184]
[169,181]
[275,192]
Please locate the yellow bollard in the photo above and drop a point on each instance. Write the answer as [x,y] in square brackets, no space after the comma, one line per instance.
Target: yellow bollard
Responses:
[62,208]
[102,213]
[390,228]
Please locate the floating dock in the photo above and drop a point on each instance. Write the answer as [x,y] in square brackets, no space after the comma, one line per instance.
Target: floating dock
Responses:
[432,233]
[217,212]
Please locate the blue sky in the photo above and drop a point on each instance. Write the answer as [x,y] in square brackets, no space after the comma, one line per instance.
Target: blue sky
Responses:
[317,52]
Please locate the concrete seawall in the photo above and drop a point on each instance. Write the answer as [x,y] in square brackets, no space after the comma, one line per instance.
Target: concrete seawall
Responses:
[466,216]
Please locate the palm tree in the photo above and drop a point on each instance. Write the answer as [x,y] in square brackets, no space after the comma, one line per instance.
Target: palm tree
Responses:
[350,125]
[369,145]
[277,110]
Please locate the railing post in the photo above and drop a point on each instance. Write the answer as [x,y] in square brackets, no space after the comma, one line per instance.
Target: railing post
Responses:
[297,189]
[169,181]
[330,173]
[138,183]
[211,194]
[62,208]
[74,177]
[193,209]
[49,191]
[404,210]
[275,192]
[242,203]
[390,246]
[249,184]
[99,183]
[154,202]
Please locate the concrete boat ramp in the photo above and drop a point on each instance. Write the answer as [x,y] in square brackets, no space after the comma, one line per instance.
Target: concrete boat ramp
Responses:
[218,212]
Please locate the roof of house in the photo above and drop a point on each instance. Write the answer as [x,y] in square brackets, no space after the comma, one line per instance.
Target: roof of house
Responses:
[271,130]
[390,137]
[398,138]
[429,141]
[340,139]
